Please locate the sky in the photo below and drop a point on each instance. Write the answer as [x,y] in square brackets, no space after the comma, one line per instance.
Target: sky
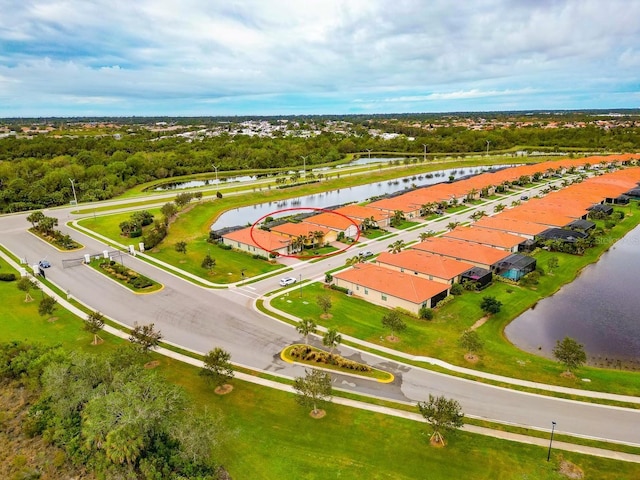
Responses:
[297,57]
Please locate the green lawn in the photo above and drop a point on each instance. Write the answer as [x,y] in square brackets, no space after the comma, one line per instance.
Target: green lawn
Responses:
[374,233]
[229,263]
[271,437]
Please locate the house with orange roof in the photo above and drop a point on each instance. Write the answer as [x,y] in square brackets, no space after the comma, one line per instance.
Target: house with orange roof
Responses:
[407,206]
[425,265]
[463,251]
[309,234]
[527,230]
[550,219]
[335,223]
[390,288]
[359,213]
[257,242]
[492,238]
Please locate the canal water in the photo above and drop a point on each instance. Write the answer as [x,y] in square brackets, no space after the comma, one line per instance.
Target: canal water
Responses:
[600,309]
[244,215]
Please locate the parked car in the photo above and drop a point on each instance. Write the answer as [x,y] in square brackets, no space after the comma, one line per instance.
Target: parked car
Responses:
[366,254]
[287,281]
[44,263]
[524,197]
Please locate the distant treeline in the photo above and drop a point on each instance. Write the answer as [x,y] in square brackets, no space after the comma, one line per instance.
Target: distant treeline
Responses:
[35,172]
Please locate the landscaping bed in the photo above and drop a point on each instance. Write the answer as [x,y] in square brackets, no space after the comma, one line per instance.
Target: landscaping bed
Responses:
[125,276]
[308,355]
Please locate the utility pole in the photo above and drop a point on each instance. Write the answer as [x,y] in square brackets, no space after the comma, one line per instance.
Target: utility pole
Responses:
[304,166]
[425,151]
[488,142]
[73,187]
[216,169]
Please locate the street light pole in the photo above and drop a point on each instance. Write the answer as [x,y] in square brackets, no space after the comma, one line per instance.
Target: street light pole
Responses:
[300,283]
[216,169]
[73,187]
[488,142]
[304,166]
[425,151]
[368,150]
[553,427]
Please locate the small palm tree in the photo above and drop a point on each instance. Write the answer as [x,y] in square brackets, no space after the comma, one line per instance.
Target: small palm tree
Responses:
[396,247]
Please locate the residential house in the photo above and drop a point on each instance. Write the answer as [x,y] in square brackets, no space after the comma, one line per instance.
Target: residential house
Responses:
[310,235]
[463,251]
[491,238]
[390,288]
[425,265]
[335,223]
[257,242]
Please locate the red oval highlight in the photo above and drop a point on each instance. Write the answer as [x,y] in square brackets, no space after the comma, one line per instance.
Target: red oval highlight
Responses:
[304,257]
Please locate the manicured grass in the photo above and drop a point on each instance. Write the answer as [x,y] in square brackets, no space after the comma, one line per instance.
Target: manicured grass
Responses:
[374,233]
[271,437]
[229,263]
[406,224]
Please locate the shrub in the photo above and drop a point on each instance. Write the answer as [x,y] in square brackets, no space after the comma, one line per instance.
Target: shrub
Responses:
[426,313]
[457,289]
[339,289]
[7,277]
[224,246]
[259,257]
[445,300]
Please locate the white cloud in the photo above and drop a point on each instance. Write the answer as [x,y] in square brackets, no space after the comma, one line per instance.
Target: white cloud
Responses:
[377,51]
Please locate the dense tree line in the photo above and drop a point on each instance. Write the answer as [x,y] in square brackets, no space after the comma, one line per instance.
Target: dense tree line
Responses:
[113,416]
[37,172]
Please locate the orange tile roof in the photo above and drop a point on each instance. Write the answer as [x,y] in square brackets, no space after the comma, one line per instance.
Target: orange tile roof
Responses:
[494,238]
[462,250]
[396,203]
[299,229]
[265,240]
[396,284]
[359,213]
[499,222]
[331,220]
[552,219]
[425,263]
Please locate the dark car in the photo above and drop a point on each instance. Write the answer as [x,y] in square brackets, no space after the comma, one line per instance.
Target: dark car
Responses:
[44,264]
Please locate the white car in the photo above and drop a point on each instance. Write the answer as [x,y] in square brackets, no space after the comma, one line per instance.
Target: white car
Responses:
[287,281]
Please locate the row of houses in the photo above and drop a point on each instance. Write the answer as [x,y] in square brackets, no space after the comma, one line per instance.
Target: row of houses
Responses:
[422,275]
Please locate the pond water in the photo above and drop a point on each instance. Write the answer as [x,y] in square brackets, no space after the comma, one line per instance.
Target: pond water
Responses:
[203,183]
[251,178]
[244,215]
[600,309]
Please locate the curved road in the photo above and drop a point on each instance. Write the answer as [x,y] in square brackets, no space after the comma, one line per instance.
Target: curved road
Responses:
[200,319]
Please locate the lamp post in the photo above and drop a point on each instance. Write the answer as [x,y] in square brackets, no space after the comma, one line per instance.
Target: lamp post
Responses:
[73,187]
[304,165]
[216,169]
[488,142]
[425,151]
[369,151]
[300,283]
[553,427]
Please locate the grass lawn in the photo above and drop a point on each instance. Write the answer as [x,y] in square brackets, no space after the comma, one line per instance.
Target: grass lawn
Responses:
[229,263]
[405,224]
[374,233]
[270,434]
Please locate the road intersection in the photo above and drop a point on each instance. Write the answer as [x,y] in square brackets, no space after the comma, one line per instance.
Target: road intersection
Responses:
[200,319]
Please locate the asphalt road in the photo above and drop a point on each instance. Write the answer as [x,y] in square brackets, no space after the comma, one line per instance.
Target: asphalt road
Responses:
[200,319]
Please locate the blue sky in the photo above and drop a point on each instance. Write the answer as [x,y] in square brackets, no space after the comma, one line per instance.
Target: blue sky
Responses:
[269,57]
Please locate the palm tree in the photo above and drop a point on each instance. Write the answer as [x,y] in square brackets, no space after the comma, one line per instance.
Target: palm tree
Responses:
[478,214]
[398,217]
[331,339]
[318,235]
[452,225]
[396,247]
[367,223]
[354,260]
[499,207]
[472,194]
[424,235]
[305,327]
[299,242]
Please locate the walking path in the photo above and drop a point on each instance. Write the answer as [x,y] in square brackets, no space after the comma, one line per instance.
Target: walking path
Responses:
[600,452]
